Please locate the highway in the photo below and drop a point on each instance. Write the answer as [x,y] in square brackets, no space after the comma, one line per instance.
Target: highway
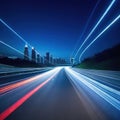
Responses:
[62,93]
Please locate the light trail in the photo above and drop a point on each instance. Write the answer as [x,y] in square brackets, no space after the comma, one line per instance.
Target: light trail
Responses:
[21,73]
[16,34]
[104,14]
[108,79]
[26,81]
[85,27]
[13,31]
[17,104]
[11,47]
[103,91]
[101,85]
[115,20]
[15,49]
[105,76]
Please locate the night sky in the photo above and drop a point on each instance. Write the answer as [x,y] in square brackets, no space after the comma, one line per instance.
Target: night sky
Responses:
[55,26]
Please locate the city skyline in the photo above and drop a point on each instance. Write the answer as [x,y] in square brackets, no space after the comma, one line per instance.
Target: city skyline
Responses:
[60,59]
[58,35]
[46,59]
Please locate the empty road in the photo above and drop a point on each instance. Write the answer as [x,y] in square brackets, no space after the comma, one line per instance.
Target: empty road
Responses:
[63,93]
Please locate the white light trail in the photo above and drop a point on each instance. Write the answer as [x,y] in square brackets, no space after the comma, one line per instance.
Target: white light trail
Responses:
[16,34]
[85,26]
[11,85]
[101,90]
[13,48]
[106,11]
[117,18]
[13,31]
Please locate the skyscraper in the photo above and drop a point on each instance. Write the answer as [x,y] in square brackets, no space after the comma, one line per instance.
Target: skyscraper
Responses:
[41,60]
[33,57]
[47,57]
[72,60]
[26,53]
[51,59]
[38,58]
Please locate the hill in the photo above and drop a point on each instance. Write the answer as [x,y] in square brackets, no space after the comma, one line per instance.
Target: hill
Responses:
[108,59]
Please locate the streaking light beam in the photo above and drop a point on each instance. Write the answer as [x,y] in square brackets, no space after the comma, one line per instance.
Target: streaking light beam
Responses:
[18,103]
[16,34]
[12,48]
[118,17]
[88,21]
[13,31]
[26,81]
[102,93]
[106,11]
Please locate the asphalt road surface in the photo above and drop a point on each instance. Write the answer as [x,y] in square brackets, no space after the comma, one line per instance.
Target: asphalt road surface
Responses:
[62,93]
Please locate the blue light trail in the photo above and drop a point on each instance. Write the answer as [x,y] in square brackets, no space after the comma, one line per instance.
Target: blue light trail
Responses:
[117,18]
[106,11]
[85,28]
[14,31]
[111,95]
[13,48]
[17,34]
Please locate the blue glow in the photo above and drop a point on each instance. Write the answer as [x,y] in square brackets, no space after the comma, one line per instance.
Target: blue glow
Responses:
[16,33]
[101,91]
[85,27]
[13,31]
[26,45]
[13,48]
[99,35]
[106,11]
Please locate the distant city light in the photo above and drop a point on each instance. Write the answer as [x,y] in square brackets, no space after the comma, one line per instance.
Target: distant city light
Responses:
[26,45]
